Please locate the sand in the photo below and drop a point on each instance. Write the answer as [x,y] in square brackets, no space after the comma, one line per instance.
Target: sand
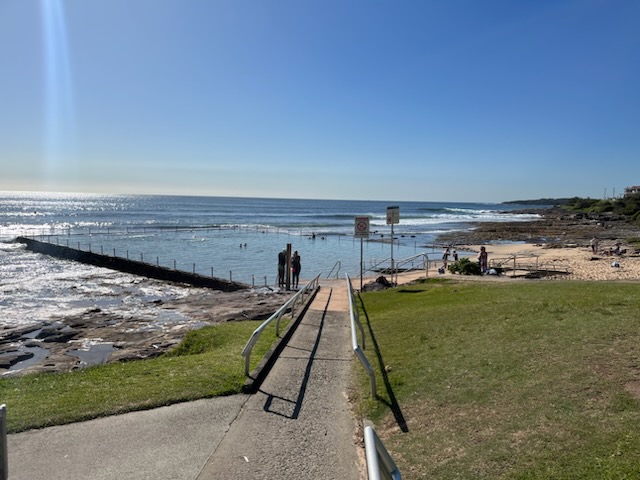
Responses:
[578,261]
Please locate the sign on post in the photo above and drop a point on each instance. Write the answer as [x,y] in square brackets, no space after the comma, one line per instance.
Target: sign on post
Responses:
[393,218]
[393,215]
[361,231]
[361,227]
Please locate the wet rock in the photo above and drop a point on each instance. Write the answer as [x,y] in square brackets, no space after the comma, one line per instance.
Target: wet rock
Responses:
[9,359]
[135,336]
[57,334]
[556,226]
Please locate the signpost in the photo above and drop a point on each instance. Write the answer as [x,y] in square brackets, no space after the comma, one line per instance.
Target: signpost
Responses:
[361,231]
[393,217]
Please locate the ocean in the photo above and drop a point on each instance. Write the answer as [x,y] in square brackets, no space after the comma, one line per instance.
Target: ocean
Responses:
[230,238]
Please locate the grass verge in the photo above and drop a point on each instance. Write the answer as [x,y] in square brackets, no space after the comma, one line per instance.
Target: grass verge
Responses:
[522,380]
[207,363]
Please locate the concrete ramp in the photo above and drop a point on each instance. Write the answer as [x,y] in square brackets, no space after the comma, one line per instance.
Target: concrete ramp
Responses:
[299,425]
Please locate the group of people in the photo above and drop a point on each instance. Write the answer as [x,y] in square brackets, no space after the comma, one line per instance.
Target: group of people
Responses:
[295,268]
[445,256]
[595,248]
[483,258]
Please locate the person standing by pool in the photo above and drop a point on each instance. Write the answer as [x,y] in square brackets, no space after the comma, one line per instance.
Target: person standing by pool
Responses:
[295,268]
[282,262]
[483,258]
[445,256]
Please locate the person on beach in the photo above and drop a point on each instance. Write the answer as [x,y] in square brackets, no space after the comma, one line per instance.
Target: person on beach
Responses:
[455,255]
[594,245]
[445,257]
[483,258]
[295,268]
[282,262]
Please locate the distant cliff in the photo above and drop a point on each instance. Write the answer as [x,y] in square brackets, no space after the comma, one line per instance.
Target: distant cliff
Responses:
[546,202]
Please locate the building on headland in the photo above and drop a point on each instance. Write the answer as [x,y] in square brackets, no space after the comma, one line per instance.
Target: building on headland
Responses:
[628,191]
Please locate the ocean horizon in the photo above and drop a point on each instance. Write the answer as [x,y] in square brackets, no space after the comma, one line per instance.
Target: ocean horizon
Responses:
[234,238]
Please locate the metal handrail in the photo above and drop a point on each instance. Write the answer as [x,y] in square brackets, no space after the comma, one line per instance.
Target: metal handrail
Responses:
[4,455]
[355,319]
[398,264]
[379,463]
[246,351]
[338,264]
[423,265]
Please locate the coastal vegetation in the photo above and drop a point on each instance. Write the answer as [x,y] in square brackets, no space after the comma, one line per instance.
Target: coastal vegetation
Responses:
[627,206]
[465,266]
[207,363]
[505,380]
[543,202]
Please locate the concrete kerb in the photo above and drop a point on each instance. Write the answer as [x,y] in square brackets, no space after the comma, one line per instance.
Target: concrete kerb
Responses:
[258,374]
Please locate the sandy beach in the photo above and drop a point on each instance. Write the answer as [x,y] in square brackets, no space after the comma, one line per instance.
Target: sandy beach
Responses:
[559,242]
[570,262]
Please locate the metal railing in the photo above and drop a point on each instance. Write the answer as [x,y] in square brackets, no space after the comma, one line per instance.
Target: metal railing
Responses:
[517,262]
[419,261]
[380,465]
[290,304]
[335,268]
[88,240]
[4,455]
[355,320]
[141,257]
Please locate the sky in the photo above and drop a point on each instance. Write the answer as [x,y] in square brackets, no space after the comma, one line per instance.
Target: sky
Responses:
[425,100]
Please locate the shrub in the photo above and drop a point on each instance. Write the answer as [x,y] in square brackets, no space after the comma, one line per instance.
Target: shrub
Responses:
[464,266]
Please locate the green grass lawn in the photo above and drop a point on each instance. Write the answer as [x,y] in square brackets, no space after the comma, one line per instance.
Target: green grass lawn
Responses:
[207,363]
[517,380]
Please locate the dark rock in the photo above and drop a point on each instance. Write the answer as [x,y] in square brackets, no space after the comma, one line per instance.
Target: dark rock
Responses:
[7,360]
[381,283]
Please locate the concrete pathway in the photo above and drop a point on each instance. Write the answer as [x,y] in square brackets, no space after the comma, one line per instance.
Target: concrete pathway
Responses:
[298,426]
[168,443]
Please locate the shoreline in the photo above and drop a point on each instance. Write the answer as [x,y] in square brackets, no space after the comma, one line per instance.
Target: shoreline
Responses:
[95,336]
[559,240]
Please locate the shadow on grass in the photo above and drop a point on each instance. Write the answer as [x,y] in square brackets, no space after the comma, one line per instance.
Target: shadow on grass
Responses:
[393,402]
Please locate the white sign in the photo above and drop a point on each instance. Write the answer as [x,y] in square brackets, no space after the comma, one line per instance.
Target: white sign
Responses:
[362,227]
[393,215]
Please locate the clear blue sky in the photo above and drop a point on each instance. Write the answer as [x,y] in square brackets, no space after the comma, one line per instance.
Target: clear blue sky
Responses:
[451,100]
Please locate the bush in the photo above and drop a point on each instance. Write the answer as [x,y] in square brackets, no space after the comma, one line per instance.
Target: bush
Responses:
[464,266]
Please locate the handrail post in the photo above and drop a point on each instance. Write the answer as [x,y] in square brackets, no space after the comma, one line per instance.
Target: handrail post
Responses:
[246,351]
[378,459]
[4,454]
[354,339]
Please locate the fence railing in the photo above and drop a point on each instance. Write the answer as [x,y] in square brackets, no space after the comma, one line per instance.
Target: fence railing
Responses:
[354,318]
[4,454]
[154,261]
[380,465]
[290,304]
[335,270]
[419,261]
[528,262]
